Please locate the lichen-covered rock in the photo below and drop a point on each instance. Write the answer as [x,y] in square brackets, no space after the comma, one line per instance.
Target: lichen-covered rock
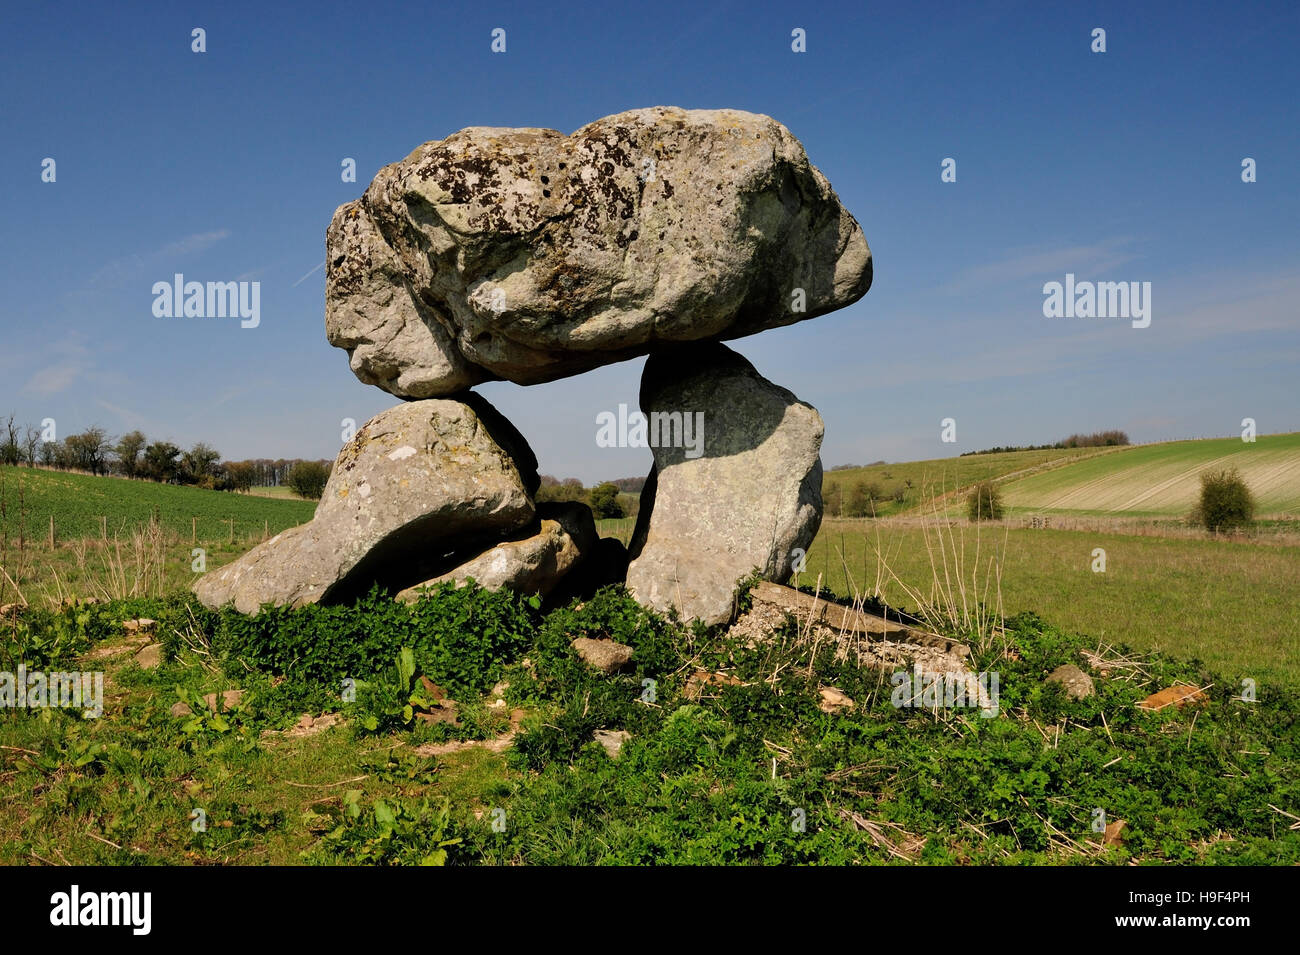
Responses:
[534,561]
[415,483]
[745,502]
[528,255]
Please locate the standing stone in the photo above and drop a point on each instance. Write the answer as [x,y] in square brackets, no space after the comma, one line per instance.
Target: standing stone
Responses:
[740,500]
[417,482]
[528,255]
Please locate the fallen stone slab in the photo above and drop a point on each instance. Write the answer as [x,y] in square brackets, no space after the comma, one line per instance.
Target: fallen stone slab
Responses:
[536,562]
[528,255]
[865,639]
[808,609]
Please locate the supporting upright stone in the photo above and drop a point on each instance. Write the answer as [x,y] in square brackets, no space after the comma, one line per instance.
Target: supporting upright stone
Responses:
[416,484]
[743,499]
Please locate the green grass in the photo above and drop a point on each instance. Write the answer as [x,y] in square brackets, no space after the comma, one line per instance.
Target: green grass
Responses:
[752,773]
[943,475]
[1233,603]
[83,505]
[1164,479]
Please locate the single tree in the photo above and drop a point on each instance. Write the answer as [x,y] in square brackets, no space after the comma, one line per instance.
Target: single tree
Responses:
[31,444]
[160,461]
[128,451]
[984,502]
[308,478]
[604,501]
[1226,502]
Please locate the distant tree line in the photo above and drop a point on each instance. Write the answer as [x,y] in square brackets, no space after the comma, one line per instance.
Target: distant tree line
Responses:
[862,499]
[133,455]
[602,498]
[1098,439]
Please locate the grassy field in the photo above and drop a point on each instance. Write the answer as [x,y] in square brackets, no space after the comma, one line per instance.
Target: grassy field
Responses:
[920,481]
[106,541]
[281,493]
[1164,479]
[1234,604]
[83,506]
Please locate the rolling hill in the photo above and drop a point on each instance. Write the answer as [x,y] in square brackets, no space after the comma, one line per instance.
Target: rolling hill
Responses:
[1160,480]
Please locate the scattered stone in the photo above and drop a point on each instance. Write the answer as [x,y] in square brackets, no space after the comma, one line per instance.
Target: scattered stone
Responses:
[742,494]
[150,657]
[834,700]
[1176,695]
[700,679]
[498,745]
[612,740]
[139,626]
[1077,684]
[528,255]
[441,713]
[117,648]
[533,563]
[307,725]
[605,655]
[229,700]
[434,690]
[416,484]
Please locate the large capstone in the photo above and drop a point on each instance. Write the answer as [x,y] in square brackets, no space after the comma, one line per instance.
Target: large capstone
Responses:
[528,255]
[745,498]
[416,485]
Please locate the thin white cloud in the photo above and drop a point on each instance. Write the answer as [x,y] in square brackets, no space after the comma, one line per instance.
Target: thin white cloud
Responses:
[73,361]
[131,418]
[132,266]
[1025,264]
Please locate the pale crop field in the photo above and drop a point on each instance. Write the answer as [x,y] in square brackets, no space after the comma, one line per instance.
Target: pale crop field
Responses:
[1164,479]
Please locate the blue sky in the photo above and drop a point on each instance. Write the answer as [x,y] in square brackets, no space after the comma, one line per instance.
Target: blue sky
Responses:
[225,165]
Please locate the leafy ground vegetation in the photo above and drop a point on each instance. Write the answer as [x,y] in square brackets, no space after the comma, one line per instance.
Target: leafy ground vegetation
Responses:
[745,767]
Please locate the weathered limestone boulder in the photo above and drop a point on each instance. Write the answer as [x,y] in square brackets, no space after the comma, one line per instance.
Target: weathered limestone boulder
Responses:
[741,499]
[528,255]
[417,482]
[1076,683]
[534,561]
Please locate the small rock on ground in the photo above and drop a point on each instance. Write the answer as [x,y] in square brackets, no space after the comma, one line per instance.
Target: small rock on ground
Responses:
[612,740]
[607,656]
[1077,684]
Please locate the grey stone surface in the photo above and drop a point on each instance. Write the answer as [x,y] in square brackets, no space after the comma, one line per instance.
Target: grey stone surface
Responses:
[535,562]
[415,483]
[528,255]
[751,497]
